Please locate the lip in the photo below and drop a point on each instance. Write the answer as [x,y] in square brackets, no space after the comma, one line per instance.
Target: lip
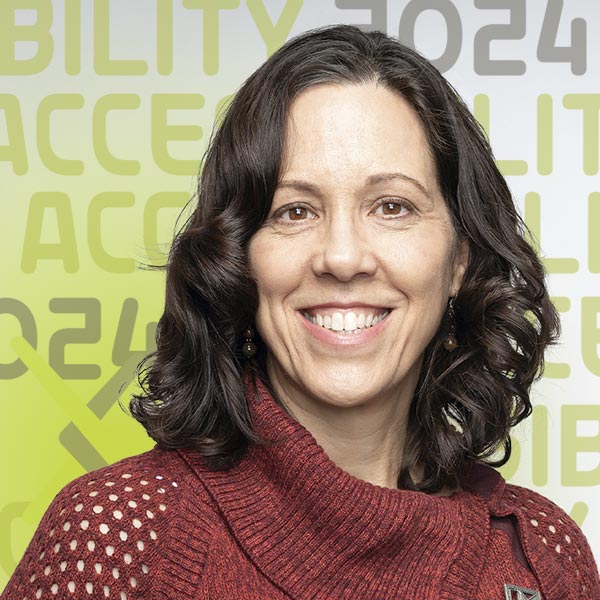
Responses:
[345,306]
[337,338]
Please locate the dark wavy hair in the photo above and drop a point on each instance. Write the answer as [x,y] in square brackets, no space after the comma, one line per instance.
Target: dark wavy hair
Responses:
[466,401]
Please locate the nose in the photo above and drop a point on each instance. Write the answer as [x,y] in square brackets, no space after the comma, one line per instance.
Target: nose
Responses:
[345,248]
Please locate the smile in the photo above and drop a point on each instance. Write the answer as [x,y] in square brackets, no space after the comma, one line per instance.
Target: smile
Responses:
[346,321]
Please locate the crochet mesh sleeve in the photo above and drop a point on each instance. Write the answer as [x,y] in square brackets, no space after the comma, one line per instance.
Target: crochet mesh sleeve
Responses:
[563,538]
[99,538]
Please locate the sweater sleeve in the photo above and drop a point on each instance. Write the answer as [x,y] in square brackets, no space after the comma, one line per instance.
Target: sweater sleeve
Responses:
[99,538]
[561,537]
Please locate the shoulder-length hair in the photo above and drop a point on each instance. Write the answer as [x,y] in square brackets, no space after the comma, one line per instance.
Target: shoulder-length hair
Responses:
[467,400]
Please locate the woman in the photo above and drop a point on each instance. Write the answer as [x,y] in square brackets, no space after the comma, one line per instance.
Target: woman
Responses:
[353,322]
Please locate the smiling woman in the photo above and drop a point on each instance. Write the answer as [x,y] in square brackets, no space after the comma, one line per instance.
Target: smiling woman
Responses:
[353,322]
[357,216]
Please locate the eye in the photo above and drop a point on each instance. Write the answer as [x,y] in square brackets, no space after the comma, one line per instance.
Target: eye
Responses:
[393,207]
[293,213]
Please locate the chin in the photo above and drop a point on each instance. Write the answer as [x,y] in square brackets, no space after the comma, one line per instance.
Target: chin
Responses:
[345,391]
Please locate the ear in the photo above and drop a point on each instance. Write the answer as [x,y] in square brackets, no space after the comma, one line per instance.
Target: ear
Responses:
[459,267]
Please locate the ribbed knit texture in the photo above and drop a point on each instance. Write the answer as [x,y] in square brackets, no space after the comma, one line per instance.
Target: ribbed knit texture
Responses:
[287,522]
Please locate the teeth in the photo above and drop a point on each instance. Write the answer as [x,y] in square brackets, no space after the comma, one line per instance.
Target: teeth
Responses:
[349,321]
[337,321]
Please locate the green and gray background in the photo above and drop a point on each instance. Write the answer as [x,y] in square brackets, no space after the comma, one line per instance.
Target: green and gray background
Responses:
[105,111]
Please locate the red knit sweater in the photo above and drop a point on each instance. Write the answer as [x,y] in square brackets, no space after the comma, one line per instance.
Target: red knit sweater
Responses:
[287,522]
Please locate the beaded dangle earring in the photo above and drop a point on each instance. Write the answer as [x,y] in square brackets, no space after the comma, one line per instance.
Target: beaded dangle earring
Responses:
[248,347]
[450,341]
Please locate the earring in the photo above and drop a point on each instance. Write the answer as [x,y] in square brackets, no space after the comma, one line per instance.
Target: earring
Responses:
[249,347]
[450,341]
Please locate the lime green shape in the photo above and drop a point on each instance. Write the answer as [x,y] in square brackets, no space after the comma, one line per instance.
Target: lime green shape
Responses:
[579,512]
[163,133]
[97,206]
[539,466]
[572,445]
[65,398]
[210,29]
[65,249]
[590,333]
[533,220]
[38,33]
[47,107]
[105,105]
[154,205]
[103,64]
[589,105]
[545,134]
[164,37]
[594,232]
[72,36]
[274,34]
[481,111]
[15,151]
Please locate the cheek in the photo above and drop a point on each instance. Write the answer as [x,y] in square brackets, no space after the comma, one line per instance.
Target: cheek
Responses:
[277,269]
[420,267]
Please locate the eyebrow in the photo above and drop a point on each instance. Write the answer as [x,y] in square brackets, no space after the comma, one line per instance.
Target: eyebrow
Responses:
[377,178]
[384,177]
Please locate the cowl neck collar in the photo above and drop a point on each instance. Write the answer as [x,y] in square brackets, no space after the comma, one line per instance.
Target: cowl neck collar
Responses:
[311,527]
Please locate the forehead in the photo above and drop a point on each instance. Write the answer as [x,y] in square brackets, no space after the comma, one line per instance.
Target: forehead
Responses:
[337,130]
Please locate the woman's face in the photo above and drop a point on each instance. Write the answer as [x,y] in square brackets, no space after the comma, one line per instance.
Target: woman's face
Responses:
[358,233]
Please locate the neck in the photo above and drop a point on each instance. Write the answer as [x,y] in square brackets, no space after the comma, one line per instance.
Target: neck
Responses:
[365,439]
